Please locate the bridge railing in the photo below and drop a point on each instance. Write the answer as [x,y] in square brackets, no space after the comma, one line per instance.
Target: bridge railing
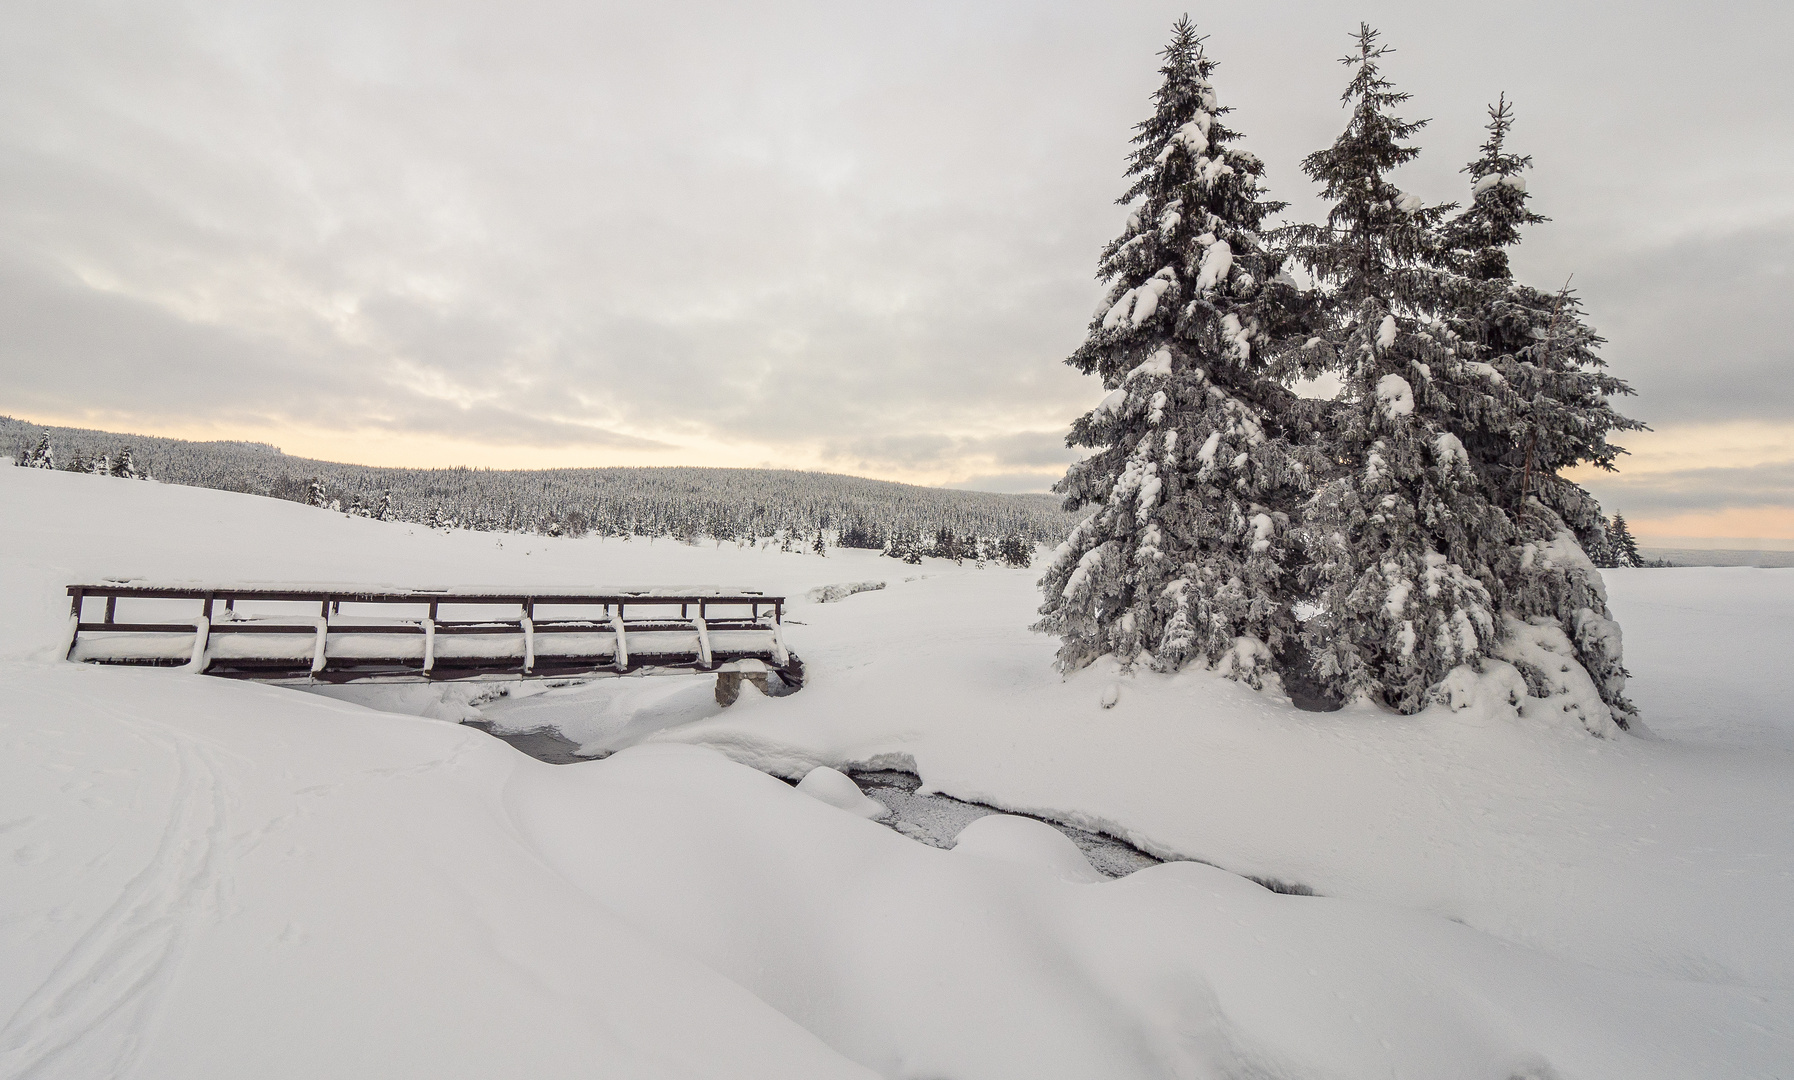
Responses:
[356,633]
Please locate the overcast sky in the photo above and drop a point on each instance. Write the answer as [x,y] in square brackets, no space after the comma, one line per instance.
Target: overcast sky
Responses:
[853,237]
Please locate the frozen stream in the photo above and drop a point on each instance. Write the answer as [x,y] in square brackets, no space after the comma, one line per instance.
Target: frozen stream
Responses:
[546,745]
[936,819]
[932,818]
[533,718]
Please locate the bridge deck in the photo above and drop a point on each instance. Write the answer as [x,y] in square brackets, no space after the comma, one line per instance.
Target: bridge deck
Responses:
[353,633]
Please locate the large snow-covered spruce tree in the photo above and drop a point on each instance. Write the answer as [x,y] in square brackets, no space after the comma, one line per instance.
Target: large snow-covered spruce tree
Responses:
[1446,535]
[1403,541]
[1187,554]
[1538,405]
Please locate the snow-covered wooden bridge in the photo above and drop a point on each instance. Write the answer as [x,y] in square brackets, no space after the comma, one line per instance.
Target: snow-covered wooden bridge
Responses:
[351,633]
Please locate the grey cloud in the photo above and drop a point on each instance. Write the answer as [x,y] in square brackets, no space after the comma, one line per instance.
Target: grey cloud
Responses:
[1703,328]
[1032,448]
[827,229]
[1009,483]
[129,356]
[500,426]
[935,450]
[63,343]
[1694,490]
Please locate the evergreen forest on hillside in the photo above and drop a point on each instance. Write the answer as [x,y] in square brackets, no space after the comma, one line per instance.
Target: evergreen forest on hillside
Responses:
[799,509]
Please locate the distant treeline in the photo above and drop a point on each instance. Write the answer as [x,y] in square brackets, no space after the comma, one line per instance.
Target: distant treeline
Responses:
[681,502]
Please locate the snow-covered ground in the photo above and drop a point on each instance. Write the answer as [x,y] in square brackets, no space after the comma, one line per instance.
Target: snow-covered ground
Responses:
[205,878]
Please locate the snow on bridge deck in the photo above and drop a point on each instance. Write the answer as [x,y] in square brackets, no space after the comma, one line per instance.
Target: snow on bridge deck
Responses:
[252,631]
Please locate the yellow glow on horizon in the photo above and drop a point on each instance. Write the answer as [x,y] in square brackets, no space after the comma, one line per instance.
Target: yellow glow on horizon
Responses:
[1675,448]
[420,450]
[1668,450]
[1770,524]
[1731,444]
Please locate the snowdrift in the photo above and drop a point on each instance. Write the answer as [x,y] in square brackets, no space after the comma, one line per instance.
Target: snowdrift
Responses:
[205,878]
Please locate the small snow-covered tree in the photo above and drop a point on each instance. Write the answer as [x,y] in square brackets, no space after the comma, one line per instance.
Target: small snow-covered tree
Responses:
[1012,550]
[947,545]
[1625,547]
[42,455]
[904,543]
[1186,555]
[1599,547]
[721,526]
[1403,540]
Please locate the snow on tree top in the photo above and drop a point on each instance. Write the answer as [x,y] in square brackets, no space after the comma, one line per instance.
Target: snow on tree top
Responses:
[1513,180]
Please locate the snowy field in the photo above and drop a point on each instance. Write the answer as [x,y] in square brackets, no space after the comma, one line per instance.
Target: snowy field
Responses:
[201,878]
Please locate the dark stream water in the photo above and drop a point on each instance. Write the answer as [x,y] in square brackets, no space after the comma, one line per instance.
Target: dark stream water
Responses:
[546,745]
[932,819]
[936,819]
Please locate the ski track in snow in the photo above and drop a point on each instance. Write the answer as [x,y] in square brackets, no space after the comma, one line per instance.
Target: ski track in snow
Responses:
[97,1011]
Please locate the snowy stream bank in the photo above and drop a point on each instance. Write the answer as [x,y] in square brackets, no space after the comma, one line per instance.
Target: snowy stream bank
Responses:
[925,816]
[200,877]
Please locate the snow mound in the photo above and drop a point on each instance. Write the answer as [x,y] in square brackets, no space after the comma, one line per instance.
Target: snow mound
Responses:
[1029,842]
[1110,404]
[838,790]
[1395,395]
[1138,304]
[195,870]
[454,702]
[1560,686]
[828,594]
[1215,263]
[1449,450]
[1159,363]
